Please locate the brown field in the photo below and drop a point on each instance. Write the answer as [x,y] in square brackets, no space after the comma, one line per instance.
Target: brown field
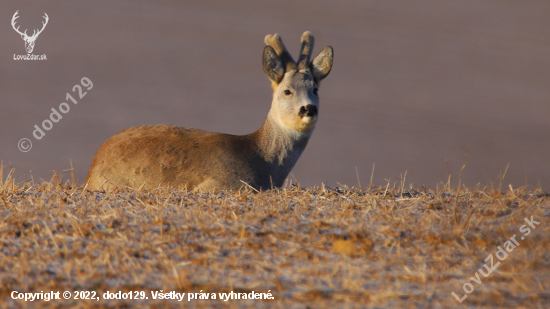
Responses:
[311,248]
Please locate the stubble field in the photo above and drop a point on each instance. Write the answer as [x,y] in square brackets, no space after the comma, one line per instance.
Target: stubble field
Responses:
[309,248]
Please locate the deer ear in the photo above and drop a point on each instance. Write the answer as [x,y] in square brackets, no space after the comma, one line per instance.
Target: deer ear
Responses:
[273,65]
[322,64]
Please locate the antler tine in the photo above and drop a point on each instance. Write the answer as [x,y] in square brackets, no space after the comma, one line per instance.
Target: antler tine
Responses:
[276,42]
[13,23]
[43,25]
[305,50]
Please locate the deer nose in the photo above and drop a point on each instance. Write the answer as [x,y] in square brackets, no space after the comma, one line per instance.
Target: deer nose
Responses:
[308,110]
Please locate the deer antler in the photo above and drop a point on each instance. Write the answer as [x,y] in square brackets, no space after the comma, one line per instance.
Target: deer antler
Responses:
[34,33]
[305,50]
[13,24]
[276,42]
[43,26]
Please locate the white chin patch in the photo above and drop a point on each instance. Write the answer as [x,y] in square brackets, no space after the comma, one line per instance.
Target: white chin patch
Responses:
[308,119]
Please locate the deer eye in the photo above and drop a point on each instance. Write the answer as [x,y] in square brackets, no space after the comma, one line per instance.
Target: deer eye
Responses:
[315,91]
[288,92]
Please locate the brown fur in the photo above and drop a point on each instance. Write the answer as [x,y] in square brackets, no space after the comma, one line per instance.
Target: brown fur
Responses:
[163,155]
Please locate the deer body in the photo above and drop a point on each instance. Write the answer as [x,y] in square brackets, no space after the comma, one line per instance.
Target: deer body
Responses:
[163,155]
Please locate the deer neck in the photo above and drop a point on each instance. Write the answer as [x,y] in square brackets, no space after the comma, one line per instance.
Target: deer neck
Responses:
[279,145]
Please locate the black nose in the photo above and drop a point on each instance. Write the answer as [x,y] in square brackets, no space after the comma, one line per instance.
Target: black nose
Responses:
[309,110]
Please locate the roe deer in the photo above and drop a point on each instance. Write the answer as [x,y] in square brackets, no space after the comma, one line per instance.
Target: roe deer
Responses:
[164,155]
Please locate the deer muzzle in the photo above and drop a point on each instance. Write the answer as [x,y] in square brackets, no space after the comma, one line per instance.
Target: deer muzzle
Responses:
[308,110]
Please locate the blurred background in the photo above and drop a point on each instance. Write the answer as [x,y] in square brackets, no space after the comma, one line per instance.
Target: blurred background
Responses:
[417,88]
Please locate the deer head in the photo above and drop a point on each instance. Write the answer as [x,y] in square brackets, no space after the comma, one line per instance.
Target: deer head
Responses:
[295,84]
[29,40]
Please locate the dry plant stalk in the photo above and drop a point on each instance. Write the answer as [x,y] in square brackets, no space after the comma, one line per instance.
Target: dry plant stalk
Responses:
[321,247]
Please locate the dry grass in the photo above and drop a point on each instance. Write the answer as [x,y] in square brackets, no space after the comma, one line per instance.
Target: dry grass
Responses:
[317,247]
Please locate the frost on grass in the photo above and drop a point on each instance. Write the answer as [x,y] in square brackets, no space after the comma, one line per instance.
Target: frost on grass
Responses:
[320,247]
